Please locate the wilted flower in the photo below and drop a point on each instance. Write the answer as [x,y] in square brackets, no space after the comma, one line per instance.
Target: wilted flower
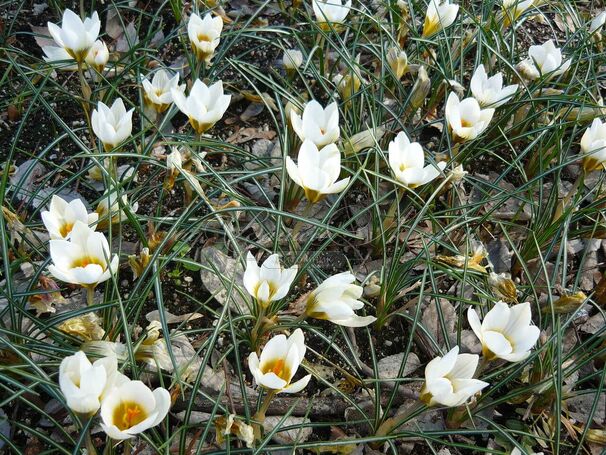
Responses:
[138,263]
[112,125]
[597,22]
[132,408]
[457,174]
[229,425]
[204,35]
[506,332]
[420,89]
[330,11]
[489,91]
[449,379]
[62,215]
[204,106]
[269,282]
[398,61]
[84,259]
[336,299]
[83,383]
[320,126]
[407,161]
[349,83]
[110,209]
[465,119]
[440,14]
[317,171]
[279,362]
[98,56]
[473,262]
[544,59]
[87,327]
[75,36]
[503,286]
[158,92]
[514,9]
[292,59]
[593,146]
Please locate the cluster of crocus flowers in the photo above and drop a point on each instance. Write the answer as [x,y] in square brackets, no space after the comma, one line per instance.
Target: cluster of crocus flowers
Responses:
[440,14]
[407,162]
[127,407]
[543,60]
[336,300]
[75,37]
[270,282]
[112,125]
[157,93]
[593,146]
[505,332]
[279,362]
[204,106]
[204,35]
[331,12]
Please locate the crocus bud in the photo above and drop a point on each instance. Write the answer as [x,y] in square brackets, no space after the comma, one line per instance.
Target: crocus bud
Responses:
[74,35]
[204,35]
[292,60]
[506,332]
[420,89]
[398,61]
[279,362]
[98,56]
[449,379]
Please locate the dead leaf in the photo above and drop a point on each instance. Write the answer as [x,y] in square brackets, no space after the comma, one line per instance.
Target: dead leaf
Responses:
[248,134]
[172,318]
[42,36]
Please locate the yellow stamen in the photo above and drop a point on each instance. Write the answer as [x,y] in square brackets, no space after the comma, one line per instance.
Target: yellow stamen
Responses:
[128,414]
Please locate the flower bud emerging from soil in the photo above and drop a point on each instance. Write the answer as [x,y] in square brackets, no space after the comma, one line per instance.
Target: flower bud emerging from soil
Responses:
[98,56]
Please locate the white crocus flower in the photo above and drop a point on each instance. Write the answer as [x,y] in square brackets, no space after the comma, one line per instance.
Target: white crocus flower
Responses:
[110,206]
[319,125]
[317,171]
[517,451]
[514,9]
[449,379]
[204,35]
[131,408]
[465,119]
[440,14]
[331,11]
[157,93]
[597,22]
[84,259]
[279,362]
[61,216]
[489,91]
[75,36]
[53,54]
[593,146]
[407,161]
[292,59]
[336,299]
[83,383]
[544,59]
[506,332]
[204,106]
[112,125]
[98,56]
[398,61]
[269,282]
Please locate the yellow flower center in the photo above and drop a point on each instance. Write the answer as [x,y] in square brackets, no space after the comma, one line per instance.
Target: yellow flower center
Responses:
[465,123]
[87,260]
[203,37]
[65,229]
[128,414]
[279,368]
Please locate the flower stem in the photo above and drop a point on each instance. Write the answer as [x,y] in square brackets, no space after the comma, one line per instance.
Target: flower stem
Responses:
[127,447]
[564,203]
[300,223]
[90,295]
[255,334]
[394,422]
[259,416]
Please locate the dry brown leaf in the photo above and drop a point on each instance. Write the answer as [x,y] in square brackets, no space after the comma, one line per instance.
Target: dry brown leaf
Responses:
[248,134]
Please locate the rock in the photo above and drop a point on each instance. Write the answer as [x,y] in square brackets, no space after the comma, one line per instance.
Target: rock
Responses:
[389,367]
[298,434]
